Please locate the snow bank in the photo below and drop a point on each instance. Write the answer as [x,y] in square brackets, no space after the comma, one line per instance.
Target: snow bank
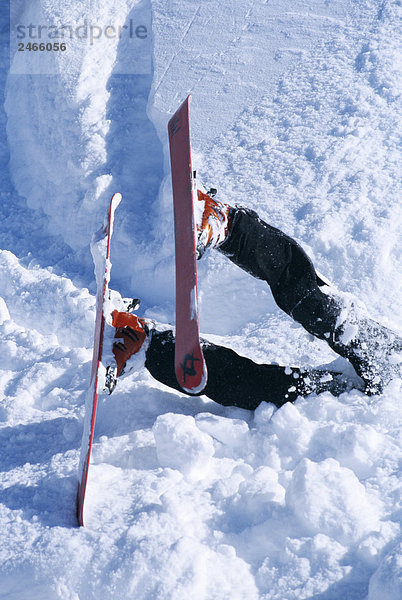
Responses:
[70,146]
[53,304]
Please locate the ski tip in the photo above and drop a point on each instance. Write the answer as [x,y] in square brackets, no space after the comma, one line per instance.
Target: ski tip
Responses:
[116,199]
[114,203]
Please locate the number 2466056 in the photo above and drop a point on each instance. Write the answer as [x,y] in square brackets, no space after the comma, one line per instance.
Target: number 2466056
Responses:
[42,47]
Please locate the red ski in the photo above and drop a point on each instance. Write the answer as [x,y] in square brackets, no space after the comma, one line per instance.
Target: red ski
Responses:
[190,367]
[100,248]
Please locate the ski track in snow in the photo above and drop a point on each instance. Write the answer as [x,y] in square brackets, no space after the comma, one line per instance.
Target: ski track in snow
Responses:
[296,114]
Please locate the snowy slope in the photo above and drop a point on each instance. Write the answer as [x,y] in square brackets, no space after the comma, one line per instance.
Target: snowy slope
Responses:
[296,114]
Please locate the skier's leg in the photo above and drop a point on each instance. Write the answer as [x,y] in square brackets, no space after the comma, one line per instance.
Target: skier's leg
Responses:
[268,254]
[234,380]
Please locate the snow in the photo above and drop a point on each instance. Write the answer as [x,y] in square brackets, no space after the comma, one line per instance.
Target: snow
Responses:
[296,114]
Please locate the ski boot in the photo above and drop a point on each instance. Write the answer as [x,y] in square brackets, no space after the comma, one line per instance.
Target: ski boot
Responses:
[131,336]
[374,351]
[212,220]
[317,381]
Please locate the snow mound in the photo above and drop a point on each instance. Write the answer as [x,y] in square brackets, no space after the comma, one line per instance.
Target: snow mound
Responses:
[182,446]
[329,499]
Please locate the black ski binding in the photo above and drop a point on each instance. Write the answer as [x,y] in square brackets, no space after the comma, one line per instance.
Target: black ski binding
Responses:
[110,378]
[133,305]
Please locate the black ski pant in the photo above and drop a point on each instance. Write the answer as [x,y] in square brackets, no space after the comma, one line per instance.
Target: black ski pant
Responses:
[268,254]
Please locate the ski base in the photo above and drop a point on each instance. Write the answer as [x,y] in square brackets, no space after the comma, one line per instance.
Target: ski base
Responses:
[190,367]
[100,248]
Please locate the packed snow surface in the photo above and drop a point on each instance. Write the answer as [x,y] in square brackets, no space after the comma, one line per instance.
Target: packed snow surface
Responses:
[296,113]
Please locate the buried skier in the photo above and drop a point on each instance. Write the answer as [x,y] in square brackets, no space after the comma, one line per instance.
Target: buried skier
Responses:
[270,255]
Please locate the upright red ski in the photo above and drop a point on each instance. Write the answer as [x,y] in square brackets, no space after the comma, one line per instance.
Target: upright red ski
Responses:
[190,367]
[100,248]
